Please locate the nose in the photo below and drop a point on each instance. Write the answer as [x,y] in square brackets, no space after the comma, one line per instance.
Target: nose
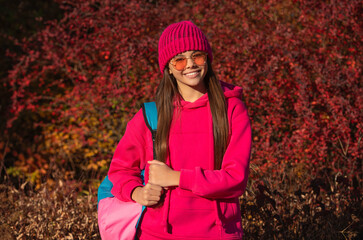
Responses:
[190,63]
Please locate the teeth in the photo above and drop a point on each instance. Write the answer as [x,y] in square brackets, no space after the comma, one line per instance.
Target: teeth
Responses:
[192,74]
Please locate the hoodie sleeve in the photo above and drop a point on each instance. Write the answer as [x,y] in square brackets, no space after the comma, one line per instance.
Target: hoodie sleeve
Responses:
[231,180]
[124,172]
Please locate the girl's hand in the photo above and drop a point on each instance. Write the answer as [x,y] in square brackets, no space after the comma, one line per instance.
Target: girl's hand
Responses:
[149,195]
[162,175]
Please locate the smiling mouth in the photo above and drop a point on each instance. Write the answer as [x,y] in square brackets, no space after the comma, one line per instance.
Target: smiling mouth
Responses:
[192,74]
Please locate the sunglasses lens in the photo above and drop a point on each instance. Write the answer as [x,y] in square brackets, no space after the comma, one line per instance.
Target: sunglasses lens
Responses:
[180,63]
[199,58]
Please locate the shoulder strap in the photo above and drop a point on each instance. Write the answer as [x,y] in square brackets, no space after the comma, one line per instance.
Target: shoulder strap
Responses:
[151,119]
[150,115]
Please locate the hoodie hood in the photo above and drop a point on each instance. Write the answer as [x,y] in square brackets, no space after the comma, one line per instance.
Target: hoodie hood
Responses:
[230,91]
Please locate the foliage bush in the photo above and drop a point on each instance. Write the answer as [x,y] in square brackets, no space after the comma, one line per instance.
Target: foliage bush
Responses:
[81,79]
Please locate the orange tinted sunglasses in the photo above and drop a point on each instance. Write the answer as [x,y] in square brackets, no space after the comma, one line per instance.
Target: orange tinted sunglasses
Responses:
[180,62]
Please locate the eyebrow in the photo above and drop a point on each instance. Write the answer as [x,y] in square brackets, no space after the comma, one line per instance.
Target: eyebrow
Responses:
[181,55]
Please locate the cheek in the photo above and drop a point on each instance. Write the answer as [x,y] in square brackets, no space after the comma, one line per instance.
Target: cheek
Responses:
[173,72]
[177,75]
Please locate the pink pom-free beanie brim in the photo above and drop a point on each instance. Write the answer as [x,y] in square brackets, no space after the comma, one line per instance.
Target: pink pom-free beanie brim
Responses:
[180,37]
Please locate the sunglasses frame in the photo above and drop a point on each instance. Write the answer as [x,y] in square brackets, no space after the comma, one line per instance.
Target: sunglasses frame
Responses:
[173,63]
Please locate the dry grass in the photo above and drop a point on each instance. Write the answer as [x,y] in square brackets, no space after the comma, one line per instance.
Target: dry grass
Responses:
[60,214]
[301,215]
[65,213]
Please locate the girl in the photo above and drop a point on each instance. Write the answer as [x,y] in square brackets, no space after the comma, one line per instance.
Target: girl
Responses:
[202,145]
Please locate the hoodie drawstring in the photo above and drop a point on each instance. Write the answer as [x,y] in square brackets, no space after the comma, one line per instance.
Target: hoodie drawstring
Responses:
[217,216]
[165,220]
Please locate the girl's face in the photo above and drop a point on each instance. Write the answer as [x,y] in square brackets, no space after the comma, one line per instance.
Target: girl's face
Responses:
[189,69]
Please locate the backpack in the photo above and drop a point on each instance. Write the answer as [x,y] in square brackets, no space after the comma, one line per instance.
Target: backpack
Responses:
[118,219]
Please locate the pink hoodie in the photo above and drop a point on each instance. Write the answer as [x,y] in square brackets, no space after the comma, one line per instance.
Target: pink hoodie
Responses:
[205,205]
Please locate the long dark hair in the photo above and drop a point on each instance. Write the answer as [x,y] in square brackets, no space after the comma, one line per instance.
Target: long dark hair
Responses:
[167,92]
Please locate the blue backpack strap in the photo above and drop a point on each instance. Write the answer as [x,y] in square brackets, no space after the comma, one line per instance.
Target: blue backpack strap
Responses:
[151,119]
[150,115]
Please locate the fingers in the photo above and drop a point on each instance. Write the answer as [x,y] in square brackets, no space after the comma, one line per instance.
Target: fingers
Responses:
[159,173]
[153,190]
[151,194]
[153,175]
[153,170]
[155,187]
[155,162]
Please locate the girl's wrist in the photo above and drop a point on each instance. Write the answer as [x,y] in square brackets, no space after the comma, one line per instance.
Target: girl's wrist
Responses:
[175,178]
[135,194]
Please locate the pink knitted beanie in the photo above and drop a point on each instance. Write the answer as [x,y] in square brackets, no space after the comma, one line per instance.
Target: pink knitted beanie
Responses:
[180,37]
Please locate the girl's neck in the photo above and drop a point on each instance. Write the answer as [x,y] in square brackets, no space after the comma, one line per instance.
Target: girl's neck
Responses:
[192,94]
